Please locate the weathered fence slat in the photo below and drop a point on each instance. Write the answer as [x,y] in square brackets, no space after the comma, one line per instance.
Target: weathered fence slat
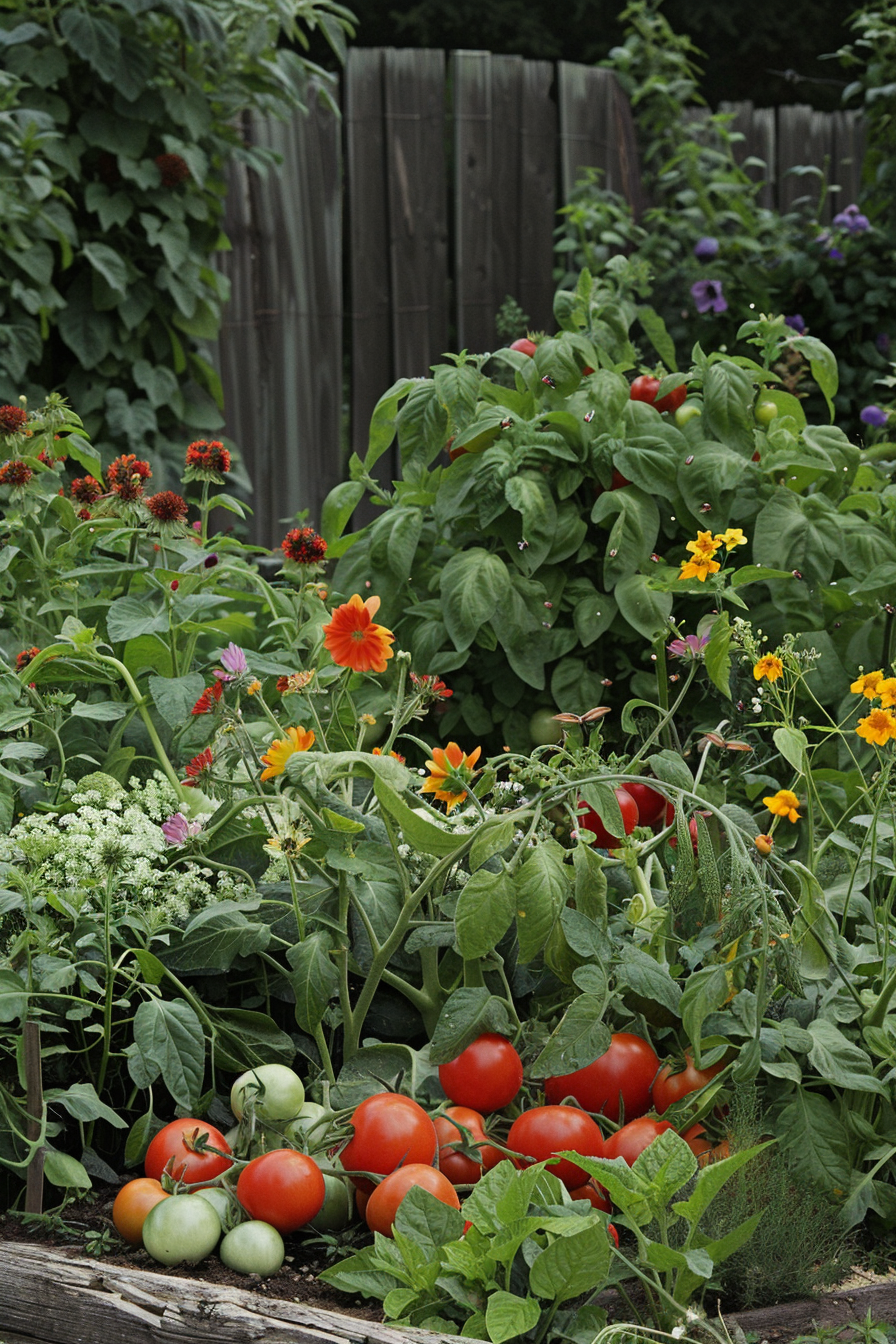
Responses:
[536,203]
[802,139]
[474,198]
[418,207]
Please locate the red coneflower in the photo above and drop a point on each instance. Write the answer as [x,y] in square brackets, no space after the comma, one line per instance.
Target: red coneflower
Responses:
[173,168]
[303,546]
[207,700]
[86,489]
[126,476]
[206,459]
[12,419]
[198,767]
[17,473]
[25,657]
[431,686]
[167,507]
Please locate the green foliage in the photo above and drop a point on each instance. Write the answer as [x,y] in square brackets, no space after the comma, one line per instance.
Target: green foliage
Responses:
[117,123]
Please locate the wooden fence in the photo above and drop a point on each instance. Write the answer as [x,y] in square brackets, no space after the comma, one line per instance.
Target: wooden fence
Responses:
[394,235]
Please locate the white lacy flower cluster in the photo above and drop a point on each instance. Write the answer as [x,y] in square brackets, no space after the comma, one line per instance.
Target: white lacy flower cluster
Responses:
[114,834]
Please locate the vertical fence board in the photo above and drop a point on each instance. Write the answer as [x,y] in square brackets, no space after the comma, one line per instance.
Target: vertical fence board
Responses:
[418,208]
[536,203]
[849,152]
[370,316]
[801,140]
[506,184]
[758,131]
[474,199]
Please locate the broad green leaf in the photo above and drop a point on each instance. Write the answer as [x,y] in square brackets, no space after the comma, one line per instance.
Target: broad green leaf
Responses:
[244,1039]
[508,1316]
[382,421]
[428,1221]
[424,835]
[107,263]
[484,912]
[710,475]
[466,1014]
[590,885]
[542,889]
[174,697]
[130,617]
[647,977]
[579,1038]
[792,744]
[628,1191]
[572,1265]
[95,39]
[792,532]
[13,996]
[728,405]
[491,839]
[656,333]
[823,364]
[705,991]
[472,585]
[666,1164]
[717,655]
[65,1171]
[816,1140]
[213,941]
[646,609]
[633,534]
[81,1101]
[839,1061]
[169,1036]
[710,1180]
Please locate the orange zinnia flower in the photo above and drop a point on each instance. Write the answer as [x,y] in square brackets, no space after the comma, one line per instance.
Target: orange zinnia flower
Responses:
[768,666]
[450,772]
[280,750]
[867,684]
[879,727]
[353,640]
[699,567]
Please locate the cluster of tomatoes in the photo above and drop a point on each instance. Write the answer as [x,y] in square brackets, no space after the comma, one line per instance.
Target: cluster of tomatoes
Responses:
[394,1146]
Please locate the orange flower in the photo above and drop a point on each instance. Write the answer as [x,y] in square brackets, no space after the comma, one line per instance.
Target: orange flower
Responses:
[784,803]
[353,640]
[280,750]
[867,684]
[378,751]
[769,666]
[699,567]
[886,689]
[450,772]
[878,727]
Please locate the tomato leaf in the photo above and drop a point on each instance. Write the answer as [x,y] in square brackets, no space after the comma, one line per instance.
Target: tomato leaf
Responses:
[467,1013]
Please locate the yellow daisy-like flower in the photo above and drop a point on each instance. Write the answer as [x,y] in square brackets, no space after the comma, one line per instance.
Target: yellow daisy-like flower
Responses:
[879,727]
[449,772]
[254,687]
[698,567]
[280,750]
[769,666]
[886,690]
[867,684]
[704,547]
[783,804]
[731,537]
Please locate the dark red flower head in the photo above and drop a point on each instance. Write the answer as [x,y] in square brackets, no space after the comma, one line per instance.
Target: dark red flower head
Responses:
[15,473]
[167,507]
[304,546]
[126,476]
[25,657]
[207,700]
[86,489]
[173,168]
[12,419]
[203,456]
[431,686]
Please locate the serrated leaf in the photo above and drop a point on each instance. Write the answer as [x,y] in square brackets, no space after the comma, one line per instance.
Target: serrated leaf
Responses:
[579,1039]
[484,912]
[466,1014]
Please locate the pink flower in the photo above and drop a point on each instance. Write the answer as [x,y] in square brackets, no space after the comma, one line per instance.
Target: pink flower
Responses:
[234,661]
[688,649]
[177,830]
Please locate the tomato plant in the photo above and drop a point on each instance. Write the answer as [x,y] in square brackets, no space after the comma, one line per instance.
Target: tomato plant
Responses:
[525,345]
[132,1203]
[651,803]
[619,1079]
[485,1076]
[670,1086]
[592,822]
[460,1169]
[673,400]
[336,1211]
[765,412]
[630,1141]
[545,1130]
[389,1130]
[283,1188]
[686,413]
[253,1248]
[595,1194]
[181,1230]
[175,1144]
[644,388]
[382,1205]
[278,1092]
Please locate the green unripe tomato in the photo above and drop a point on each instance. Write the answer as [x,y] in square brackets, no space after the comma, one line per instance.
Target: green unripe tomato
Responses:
[686,413]
[227,1209]
[765,412]
[296,1132]
[278,1091]
[181,1230]
[337,1208]
[543,729]
[253,1248]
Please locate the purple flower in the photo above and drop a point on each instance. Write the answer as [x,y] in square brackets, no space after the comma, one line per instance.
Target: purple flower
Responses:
[706,248]
[234,660]
[210,561]
[708,296]
[851,219]
[689,649]
[882,342]
[873,415]
[177,830]
[797,321]
[835,254]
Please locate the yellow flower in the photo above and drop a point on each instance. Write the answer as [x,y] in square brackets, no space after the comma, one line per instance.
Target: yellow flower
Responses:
[867,684]
[705,547]
[878,727]
[280,750]
[449,771]
[698,567]
[730,538]
[886,689]
[783,804]
[254,687]
[769,666]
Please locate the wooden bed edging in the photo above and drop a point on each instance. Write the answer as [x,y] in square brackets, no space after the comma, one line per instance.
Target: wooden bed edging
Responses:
[58,1297]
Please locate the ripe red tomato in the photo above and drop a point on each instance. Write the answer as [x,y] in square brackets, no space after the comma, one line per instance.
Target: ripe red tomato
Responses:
[284,1188]
[525,345]
[623,1073]
[132,1203]
[701,1145]
[390,1131]
[618,481]
[613,1233]
[486,1076]
[592,822]
[672,400]
[382,1205]
[545,1130]
[630,1141]
[651,804]
[174,1144]
[459,1169]
[595,1194]
[670,1086]
[644,389]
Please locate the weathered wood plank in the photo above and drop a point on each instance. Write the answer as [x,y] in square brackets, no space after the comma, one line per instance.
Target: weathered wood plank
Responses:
[367,206]
[508,190]
[802,140]
[474,199]
[758,131]
[847,158]
[536,204]
[52,1297]
[418,207]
